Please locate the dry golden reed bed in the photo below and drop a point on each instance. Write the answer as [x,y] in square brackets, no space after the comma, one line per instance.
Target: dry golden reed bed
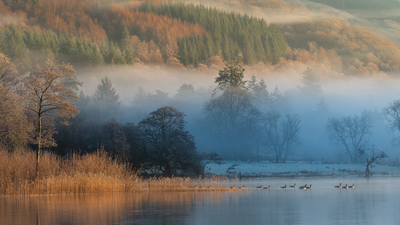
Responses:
[91,173]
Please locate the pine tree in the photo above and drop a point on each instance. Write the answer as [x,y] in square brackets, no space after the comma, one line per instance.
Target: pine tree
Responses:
[278,43]
[209,45]
[248,51]
[311,86]
[128,54]
[125,34]
[183,51]
[106,99]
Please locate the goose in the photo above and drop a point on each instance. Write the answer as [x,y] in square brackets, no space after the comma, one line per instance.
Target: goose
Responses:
[259,186]
[303,187]
[233,187]
[346,186]
[284,186]
[242,187]
[340,186]
[293,186]
[352,186]
[267,187]
[309,187]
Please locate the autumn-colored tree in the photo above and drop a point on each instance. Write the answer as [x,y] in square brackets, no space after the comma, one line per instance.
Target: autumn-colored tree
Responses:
[47,97]
[14,127]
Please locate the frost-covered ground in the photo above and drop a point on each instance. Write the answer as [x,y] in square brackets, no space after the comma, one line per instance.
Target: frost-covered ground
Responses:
[297,169]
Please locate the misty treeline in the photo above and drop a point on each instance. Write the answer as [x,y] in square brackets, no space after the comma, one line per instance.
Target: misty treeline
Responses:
[40,111]
[239,119]
[245,120]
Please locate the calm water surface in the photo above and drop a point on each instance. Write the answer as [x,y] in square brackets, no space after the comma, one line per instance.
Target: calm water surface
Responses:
[373,201]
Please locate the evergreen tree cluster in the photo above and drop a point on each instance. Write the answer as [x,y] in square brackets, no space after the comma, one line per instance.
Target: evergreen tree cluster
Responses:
[30,47]
[228,33]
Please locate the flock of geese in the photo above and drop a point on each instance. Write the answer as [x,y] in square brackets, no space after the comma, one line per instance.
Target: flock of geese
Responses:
[346,187]
[294,186]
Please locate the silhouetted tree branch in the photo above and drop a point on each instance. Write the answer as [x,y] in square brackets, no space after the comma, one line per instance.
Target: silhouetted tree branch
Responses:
[370,155]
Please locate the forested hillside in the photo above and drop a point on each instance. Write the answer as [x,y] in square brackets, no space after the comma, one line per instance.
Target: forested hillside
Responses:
[227,32]
[362,51]
[101,32]
[96,33]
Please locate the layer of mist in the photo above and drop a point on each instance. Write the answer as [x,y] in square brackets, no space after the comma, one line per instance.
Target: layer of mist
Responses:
[347,96]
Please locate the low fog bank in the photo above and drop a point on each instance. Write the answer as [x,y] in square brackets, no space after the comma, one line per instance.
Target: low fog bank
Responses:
[346,96]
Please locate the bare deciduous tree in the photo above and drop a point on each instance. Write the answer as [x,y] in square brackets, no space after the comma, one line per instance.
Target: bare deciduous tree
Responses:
[370,155]
[46,95]
[351,132]
[392,115]
[207,158]
[280,135]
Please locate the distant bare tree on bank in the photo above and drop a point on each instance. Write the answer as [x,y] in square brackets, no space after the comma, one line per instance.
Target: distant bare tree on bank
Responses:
[207,158]
[351,132]
[370,155]
[46,94]
[281,134]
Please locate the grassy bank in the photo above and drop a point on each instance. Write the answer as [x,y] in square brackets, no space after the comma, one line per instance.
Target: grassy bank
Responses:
[91,173]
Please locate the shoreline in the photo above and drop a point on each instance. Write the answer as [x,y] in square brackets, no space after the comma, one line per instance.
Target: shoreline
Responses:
[250,169]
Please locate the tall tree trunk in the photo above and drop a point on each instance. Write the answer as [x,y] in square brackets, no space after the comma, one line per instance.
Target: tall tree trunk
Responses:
[367,169]
[39,144]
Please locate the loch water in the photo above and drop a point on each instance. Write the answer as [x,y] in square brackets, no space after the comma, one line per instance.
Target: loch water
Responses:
[372,201]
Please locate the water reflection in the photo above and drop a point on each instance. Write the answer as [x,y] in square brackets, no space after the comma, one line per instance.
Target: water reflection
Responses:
[153,208]
[374,201]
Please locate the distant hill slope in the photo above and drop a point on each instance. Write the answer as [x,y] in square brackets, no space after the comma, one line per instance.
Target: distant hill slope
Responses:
[98,32]
[380,16]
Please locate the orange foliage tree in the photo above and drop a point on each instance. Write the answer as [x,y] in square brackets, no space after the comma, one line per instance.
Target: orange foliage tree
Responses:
[46,95]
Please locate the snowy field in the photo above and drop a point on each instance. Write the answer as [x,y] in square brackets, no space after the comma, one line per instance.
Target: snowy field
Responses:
[297,169]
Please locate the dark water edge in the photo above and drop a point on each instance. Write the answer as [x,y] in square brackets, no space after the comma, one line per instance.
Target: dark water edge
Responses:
[372,201]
